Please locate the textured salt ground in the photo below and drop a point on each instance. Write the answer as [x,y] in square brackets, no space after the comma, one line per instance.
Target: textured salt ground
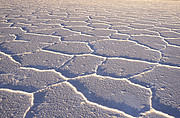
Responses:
[7,65]
[127,49]
[120,68]
[37,38]
[173,41]
[14,103]
[122,95]
[164,82]
[84,38]
[80,65]
[150,41]
[82,29]
[42,60]
[6,37]
[119,36]
[170,55]
[89,59]
[29,80]
[16,47]
[62,100]
[70,48]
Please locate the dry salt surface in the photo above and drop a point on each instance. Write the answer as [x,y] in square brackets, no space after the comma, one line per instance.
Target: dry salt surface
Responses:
[89,58]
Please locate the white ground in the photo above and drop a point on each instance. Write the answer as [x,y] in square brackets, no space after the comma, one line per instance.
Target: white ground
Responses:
[89,58]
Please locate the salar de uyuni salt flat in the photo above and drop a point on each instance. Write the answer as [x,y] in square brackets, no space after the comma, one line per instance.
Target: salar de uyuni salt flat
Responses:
[89,58]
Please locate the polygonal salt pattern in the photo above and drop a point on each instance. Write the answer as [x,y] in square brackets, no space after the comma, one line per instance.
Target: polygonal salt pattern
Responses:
[62,100]
[80,65]
[89,59]
[170,55]
[82,29]
[15,47]
[139,32]
[118,94]
[83,38]
[164,82]
[101,32]
[121,68]
[29,80]
[150,41]
[127,49]
[70,48]
[42,60]
[38,38]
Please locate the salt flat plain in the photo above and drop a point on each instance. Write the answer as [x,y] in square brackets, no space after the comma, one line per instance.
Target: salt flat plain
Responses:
[89,58]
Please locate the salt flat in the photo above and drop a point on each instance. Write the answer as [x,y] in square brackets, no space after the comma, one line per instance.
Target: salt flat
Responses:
[89,58]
